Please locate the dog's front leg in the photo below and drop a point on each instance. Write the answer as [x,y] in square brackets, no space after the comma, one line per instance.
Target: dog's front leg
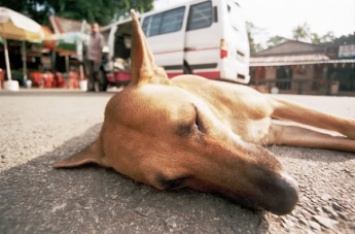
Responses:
[280,134]
[288,110]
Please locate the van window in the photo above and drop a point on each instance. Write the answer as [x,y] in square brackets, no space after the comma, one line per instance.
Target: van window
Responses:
[200,16]
[165,22]
[151,25]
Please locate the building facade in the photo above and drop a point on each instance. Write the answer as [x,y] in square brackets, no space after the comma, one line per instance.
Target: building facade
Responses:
[304,68]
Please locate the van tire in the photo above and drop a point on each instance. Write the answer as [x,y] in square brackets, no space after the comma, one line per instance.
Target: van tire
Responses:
[186,69]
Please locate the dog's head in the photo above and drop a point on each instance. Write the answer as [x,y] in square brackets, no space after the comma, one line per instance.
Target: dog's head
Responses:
[164,136]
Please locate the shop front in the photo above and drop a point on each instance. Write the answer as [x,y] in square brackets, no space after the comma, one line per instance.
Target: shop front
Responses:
[302,68]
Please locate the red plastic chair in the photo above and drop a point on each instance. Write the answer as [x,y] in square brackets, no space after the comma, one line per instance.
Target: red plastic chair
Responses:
[37,79]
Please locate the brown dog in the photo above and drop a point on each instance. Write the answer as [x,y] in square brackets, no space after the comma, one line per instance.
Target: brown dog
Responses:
[190,132]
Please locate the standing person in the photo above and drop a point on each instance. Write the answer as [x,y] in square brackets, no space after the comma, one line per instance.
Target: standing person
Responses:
[93,55]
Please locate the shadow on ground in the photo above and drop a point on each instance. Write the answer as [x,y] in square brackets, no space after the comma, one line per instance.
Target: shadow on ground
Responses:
[34,198]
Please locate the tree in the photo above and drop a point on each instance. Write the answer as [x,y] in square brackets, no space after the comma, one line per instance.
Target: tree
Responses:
[101,11]
[315,38]
[35,9]
[328,37]
[301,32]
[275,40]
[252,30]
[346,39]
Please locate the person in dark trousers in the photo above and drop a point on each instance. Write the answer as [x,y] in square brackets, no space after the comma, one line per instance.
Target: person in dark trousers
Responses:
[93,56]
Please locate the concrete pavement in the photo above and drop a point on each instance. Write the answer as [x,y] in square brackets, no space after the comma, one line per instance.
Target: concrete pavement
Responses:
[38,128]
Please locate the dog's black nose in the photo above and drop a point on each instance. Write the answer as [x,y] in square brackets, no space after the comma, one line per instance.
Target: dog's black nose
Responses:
[283,195]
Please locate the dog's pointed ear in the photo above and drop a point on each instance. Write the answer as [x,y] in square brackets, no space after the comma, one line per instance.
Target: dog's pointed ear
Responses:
[143,67]
[92,154]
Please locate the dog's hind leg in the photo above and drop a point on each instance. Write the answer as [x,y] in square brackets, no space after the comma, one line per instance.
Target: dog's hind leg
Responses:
[287,110]
[298,136]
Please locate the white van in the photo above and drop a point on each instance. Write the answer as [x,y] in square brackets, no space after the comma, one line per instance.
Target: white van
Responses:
[206,38]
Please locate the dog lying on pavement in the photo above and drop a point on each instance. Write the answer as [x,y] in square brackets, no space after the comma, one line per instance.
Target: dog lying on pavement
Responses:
[190,132]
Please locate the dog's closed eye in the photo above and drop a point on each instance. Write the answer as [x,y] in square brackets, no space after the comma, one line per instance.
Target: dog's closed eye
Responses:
[198,122]
[187,129]
[184,130]
[170,184]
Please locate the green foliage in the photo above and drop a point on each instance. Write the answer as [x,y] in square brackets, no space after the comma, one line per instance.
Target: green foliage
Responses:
[315,38]
[343,40]
[302,32]
[275,40]
[252,31]
[250,38]
[329,37]
[100,11]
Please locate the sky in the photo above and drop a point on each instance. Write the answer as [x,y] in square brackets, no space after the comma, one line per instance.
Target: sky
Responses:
[280,17]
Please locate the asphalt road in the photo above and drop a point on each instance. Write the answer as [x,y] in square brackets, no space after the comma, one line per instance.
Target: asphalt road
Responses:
[38,128]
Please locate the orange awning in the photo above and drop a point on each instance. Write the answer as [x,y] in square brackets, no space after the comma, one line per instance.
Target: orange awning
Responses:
[49,38]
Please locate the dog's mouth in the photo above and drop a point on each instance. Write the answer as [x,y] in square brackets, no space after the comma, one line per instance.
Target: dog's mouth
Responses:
[274,191]
[264,184]
[253,181]
[278,197]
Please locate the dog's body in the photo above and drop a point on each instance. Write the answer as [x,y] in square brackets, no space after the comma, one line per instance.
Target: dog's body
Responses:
[205,135]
